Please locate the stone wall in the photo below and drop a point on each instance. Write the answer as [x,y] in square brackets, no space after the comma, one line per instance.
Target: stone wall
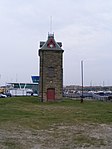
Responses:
[51,72]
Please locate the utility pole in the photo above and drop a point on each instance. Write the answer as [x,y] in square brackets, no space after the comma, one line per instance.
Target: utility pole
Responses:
[82,79]
[0,79]
[42,77]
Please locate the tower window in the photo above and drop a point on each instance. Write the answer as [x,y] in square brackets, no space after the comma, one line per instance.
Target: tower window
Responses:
[51,71]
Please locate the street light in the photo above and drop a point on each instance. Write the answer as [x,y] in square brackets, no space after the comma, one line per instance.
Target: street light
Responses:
[82,79]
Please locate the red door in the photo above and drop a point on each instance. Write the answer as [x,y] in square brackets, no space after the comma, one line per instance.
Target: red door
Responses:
[50,94]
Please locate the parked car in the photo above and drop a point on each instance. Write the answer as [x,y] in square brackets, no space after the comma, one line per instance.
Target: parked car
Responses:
[3,96]
[8,94]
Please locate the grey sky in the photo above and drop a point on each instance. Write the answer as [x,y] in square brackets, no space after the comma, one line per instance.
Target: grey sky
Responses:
[83,26]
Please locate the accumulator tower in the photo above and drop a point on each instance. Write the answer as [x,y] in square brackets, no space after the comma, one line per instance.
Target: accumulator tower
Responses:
[51,69]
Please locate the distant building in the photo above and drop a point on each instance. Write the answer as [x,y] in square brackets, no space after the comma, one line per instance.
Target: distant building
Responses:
[2,89]
[35,79]
[22,89]
[51,69]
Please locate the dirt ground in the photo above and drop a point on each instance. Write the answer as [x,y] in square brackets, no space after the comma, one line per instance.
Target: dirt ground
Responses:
[84,136]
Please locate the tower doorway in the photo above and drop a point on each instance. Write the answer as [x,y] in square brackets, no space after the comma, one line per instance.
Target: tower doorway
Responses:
[50,94]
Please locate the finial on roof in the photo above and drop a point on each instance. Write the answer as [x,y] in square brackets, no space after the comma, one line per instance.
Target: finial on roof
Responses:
[50,35]
[50,24]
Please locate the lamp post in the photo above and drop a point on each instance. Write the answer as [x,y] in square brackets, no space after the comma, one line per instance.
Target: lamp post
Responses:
[0,79]
[82,79]
[42,78]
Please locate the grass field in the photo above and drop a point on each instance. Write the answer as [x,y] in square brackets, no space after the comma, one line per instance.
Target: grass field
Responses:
[47,123]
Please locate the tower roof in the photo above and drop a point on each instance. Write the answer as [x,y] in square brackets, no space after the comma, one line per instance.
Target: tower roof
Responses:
[50,44]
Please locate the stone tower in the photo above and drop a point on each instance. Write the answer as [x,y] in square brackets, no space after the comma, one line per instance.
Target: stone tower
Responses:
[51,69]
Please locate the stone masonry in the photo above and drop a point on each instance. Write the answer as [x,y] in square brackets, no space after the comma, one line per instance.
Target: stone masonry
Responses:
[51,69]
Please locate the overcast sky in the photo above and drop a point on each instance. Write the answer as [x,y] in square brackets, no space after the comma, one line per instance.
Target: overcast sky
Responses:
[83,26]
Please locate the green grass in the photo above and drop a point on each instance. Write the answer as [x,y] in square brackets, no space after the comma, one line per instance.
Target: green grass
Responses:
[29,112]
[25,121]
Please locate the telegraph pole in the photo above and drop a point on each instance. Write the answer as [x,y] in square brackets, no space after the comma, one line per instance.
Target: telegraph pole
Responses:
[0,80]
[82,80]
[42,78]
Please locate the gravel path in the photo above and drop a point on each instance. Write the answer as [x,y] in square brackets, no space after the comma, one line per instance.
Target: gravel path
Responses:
[84,136]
